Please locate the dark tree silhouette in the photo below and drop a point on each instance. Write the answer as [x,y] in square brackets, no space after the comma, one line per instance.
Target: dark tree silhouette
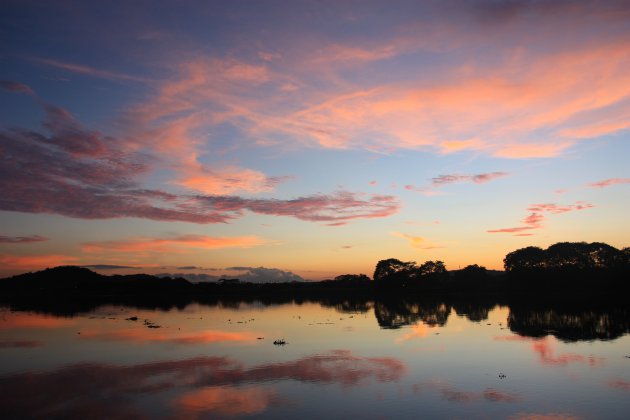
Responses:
[531,257]
[474,270]
[352,278]
[567,256]
[432,268]
[393,270]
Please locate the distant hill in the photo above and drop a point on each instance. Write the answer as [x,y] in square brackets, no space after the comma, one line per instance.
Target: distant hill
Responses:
[72,279]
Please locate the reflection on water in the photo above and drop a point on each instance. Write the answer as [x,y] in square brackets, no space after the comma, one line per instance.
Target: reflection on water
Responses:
[431,358]
[396,313]
[570,324]
[204,384]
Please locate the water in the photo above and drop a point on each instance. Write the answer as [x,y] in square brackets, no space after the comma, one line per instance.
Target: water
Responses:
[365,360]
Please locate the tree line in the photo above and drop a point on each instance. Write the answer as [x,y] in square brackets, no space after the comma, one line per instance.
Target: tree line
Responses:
[577,263]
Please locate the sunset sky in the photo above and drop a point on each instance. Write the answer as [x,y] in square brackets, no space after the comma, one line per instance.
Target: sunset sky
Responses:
[309,138]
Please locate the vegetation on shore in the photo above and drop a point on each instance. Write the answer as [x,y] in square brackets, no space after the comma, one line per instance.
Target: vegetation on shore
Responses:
[561,269]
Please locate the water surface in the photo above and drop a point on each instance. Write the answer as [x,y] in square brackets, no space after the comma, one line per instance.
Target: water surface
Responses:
[368,360]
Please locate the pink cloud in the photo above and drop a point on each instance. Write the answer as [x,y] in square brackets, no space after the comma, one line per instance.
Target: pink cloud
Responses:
[227,180]
[449,179]
[482,178]
[22,239]
[17,87]
[608,182]
[340,207]
[537,216]
[80,173]
[477,179]
[442,180]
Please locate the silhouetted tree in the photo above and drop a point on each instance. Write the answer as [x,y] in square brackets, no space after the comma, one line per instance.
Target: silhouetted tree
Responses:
[432,268]
[474,270]
[395,271]
[574,255]
[566,256]
[352,278]
[530,257]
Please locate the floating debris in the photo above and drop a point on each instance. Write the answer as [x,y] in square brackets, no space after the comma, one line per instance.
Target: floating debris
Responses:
[502,376]
[260,338]
[154,326]
[280,342]
[133,318]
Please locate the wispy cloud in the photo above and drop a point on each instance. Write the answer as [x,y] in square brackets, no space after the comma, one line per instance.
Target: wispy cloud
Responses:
[174,244]
[537,216]
[477,179]
[619,384]
[87,70]
[608,182]
[107,266]
[417,241]
[22,239]
[442,180]
[451,394]
[12,86]
[81,173]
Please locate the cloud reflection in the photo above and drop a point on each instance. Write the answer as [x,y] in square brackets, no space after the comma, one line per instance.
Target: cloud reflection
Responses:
[452,394]
[547,353]
[22,344]
[543,416]
[145,336]
[619,384]
[225,401]
[209,384]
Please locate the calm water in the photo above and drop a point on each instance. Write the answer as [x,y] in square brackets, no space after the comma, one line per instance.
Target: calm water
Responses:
[372,360]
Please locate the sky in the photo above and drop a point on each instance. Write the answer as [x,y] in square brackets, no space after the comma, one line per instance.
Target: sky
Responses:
[309,139]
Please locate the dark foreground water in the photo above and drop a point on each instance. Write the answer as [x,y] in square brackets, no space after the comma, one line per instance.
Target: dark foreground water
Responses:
[369,360]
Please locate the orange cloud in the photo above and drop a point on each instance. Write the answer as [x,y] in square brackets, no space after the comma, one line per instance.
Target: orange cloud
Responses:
[458,110]
[178,243]
[227,180]
[35,261]
[417,241]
